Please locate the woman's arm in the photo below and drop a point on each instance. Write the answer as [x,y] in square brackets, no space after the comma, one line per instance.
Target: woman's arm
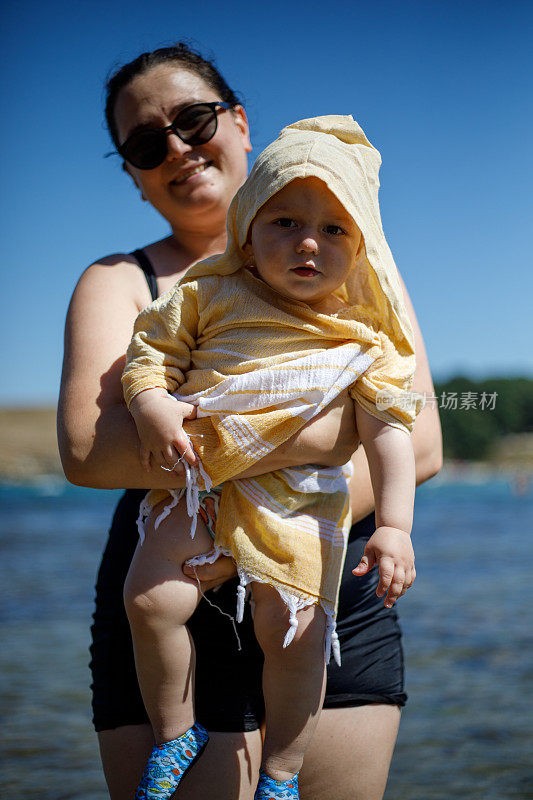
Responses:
[426,436]
[329,439]
[98,441]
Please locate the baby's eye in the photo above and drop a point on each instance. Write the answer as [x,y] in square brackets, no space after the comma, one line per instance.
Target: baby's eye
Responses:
[285,222]
[334,230]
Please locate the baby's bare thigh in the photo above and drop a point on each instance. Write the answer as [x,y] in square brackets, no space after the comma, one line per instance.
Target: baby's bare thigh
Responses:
[171,543]
[272,618]
[156,587]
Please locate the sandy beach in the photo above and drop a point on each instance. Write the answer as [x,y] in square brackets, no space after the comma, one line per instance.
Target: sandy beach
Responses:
[28,444]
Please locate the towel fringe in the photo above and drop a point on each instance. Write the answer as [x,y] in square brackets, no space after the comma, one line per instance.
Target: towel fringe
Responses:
[294,604]
[191,491]
[331,641]
[241,596]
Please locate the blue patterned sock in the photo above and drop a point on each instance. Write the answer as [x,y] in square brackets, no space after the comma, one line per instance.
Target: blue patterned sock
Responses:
[169,762]
[270,789]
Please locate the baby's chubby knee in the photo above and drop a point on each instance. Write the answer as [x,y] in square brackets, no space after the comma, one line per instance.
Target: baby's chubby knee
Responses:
[272,620]
[151,601]
[156,587]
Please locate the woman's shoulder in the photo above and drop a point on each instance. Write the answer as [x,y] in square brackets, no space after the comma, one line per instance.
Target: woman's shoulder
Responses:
[116,265]
[118,274]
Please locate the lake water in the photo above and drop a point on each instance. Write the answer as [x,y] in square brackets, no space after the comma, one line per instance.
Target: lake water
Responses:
[466,731]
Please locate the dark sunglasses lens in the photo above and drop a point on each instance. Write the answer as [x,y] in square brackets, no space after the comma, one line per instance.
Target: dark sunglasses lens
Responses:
[196,124]
[146,150]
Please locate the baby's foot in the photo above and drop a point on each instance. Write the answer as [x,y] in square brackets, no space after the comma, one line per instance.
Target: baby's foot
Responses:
[270,789]
[169,762]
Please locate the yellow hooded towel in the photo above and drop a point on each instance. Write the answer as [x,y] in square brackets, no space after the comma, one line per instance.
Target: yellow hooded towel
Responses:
[259,367]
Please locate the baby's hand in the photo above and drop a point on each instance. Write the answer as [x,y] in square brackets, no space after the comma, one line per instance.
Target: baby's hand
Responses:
[159,420]
[392,550]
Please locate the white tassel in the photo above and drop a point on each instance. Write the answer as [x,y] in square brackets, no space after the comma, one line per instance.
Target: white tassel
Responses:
[144,513]
[331,642]
[289,636]
[241,595]
[336,648]
[206,479]
[193,496]
[176,497]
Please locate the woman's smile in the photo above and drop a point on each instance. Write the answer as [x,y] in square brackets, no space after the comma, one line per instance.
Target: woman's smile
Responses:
[187,173]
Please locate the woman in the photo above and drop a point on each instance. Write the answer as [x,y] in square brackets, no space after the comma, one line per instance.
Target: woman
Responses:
[189,174]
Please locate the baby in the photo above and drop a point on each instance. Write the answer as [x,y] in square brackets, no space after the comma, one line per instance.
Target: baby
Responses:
[304,303]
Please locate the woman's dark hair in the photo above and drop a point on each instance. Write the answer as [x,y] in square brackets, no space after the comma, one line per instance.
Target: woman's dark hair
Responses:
[180,53]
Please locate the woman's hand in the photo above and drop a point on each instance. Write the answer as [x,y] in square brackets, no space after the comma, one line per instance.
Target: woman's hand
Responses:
[211,575]
[392,550]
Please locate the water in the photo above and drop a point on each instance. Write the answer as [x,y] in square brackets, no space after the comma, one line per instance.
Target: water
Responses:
[465,732]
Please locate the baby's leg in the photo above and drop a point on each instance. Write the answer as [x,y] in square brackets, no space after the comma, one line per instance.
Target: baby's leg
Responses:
[159,600]
[293,680]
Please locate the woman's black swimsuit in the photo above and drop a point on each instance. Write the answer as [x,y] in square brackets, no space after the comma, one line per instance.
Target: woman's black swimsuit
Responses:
[228,692]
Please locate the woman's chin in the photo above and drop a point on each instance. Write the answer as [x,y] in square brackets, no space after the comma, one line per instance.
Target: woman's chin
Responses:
[197,192]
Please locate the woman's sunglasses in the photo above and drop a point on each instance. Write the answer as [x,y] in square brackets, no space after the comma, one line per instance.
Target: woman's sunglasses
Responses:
[195,124]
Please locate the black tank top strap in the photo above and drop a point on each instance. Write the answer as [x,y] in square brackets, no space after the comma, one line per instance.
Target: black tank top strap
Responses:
[146,266]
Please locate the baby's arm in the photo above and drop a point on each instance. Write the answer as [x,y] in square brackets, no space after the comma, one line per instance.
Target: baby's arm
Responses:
[390,457]
[158,356]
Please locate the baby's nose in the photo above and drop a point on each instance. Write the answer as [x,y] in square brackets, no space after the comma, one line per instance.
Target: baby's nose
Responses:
[308,244]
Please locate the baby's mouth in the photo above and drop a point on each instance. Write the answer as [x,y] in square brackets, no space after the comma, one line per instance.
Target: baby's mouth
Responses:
[306,272]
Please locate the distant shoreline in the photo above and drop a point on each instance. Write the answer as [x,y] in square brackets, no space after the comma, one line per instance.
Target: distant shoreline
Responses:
[29,453]
[28,444]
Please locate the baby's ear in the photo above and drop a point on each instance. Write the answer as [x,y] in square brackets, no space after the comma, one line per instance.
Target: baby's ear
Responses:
[361,245]
[248,252]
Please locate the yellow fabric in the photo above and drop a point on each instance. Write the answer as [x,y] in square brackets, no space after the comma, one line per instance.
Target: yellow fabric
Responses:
[220,323]
[336,150]
[301,552]
[186,338]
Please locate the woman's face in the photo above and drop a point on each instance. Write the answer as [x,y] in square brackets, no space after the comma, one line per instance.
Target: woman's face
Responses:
[193,178]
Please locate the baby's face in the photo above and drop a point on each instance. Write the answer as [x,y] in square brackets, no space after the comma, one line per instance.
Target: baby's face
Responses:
[304,242]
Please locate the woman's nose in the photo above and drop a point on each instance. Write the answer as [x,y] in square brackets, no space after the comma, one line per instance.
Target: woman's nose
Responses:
[175,147]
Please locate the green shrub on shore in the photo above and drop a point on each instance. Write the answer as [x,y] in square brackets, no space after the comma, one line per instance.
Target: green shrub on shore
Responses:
[476,415]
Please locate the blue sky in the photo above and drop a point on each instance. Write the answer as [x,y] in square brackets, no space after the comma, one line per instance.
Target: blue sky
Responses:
[443,90]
